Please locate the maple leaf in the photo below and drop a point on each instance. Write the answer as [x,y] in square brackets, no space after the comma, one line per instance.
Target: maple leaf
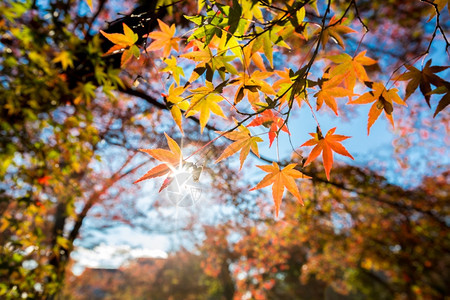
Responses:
[231,43]
[128,37]
[286,85]
[383,101]
[440,6]
[123,42]
[329,90]
[204,100]
[173,68]
[251,85]
[334,29]
[244,141]
[203,57]
[280,179]
[251,54]
[423,78]
[207,61]
[200,5]
[269,120]
[264,41]
[176,103]
[164,39]
[326,145]
[252,9]
[171,159]
[445,100]
[351,68]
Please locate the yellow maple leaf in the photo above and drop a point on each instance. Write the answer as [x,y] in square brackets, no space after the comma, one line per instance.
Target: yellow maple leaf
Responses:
[65,58]
[176,103]
[204,100]
[173,68]
[285,86]
[251,85]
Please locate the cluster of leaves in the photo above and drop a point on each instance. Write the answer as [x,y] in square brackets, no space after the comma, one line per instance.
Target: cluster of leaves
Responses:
[237,42]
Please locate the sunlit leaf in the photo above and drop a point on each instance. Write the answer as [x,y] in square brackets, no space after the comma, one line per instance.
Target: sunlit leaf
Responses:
[164,39]
[280,179]
[244,142]
[326,145]
[383,101]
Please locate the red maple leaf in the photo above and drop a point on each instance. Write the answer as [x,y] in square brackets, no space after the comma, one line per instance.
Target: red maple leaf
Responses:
[269,120]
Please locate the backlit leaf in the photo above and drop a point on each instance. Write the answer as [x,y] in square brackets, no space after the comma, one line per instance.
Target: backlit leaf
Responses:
[204,100]
[171,159]
[164,39]
[244,142]
[326,145]
[280,179]
[269,120]
[383,101]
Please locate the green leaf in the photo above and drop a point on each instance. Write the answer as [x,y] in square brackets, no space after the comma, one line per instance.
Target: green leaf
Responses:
[234,17]
[198,20]
[135,50]
[267,47]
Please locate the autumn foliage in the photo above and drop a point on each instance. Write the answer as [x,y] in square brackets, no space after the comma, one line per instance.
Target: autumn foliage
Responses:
[231,47]
[93,92]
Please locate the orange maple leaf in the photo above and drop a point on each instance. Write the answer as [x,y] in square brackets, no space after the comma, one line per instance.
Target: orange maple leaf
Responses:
[269,120]
[329,90]
[383,101]
[326,145]
[164,39]
[244,141]
[334,29]
[351,68]
[123,42]
[280,179]
[171,159]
